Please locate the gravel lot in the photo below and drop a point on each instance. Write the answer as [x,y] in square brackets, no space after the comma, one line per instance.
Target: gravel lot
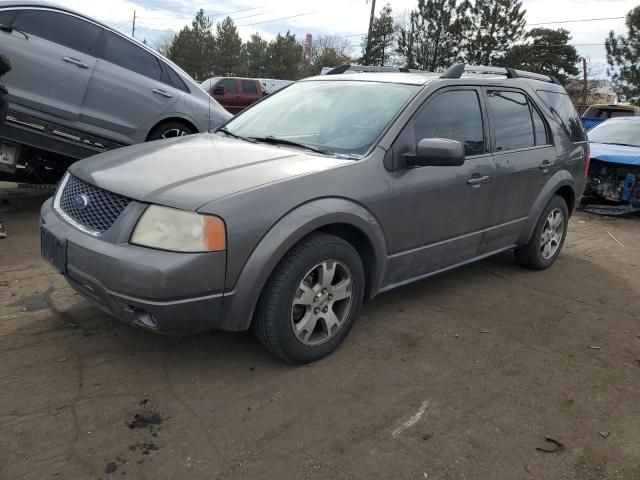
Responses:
[459,376]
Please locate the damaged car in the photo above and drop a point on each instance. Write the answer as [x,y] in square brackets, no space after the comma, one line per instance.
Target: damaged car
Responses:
[613,187]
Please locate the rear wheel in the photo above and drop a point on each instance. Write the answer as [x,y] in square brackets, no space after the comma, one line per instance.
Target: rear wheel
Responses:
[170,130]
[311,300]
[548,237]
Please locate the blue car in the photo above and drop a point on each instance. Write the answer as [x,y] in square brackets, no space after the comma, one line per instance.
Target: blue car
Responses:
[614,173]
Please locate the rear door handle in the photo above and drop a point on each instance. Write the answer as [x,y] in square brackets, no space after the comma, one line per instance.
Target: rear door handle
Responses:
[162,93]
[478,180]
[546,165]
[75,61]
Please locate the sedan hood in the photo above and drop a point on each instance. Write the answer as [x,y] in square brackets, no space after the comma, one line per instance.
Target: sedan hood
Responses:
[191,171]
[615,153]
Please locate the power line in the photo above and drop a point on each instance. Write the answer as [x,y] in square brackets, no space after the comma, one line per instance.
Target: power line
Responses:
[278,19]
[577,21]
[210,16]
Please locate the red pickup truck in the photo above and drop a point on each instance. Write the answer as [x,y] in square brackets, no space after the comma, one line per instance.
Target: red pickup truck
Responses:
[233,93]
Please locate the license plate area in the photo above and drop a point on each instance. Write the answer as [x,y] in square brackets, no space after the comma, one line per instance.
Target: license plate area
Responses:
[53,250]
[8,156]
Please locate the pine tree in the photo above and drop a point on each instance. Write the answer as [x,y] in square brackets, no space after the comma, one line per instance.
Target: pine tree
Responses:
[284,57]
[623,57]
[435,36]
[193,48]
[229,49]
[548,52]
[496,25]
[382,39]
[256,56]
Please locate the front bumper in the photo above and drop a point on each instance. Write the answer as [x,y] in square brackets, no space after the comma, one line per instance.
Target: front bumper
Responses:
[167,292]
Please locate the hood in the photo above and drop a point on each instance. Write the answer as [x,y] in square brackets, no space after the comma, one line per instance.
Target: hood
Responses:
[191,171]
[615,153]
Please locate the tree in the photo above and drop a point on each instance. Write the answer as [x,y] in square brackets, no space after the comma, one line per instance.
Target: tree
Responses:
[193,48]
[547,51]
[326,51]
[495,26]
[435,35]
[382,39]
[228,51]
[623,57]
[256,56]
[284,57]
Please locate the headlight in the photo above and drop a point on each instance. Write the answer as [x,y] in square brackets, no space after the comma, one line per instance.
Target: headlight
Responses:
[179,231]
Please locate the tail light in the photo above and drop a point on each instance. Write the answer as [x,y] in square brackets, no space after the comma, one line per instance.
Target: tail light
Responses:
[587,161]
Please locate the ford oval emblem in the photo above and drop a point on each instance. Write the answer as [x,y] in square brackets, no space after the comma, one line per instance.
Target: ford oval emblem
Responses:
[81,201]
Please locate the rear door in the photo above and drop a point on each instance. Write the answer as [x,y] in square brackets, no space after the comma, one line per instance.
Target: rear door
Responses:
[248,92]
[126,91]
[525,159]
[52,64]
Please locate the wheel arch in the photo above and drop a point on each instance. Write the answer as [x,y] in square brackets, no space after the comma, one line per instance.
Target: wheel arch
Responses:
[340,217]
[181,120]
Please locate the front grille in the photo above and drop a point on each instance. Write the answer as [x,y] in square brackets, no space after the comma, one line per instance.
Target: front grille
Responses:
[92,207]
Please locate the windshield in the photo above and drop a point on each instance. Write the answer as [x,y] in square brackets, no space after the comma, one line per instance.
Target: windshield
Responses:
[336,116]
[620,132]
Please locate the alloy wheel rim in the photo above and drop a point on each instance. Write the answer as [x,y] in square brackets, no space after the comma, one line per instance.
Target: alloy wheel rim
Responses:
[322,302]
[174,132]
[552,233]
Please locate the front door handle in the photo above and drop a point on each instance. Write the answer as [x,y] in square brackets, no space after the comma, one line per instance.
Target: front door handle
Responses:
[546,165]
[75,61]
[474,181]
[162,93]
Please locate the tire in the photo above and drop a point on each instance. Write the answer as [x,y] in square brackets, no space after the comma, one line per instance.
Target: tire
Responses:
[296,323]
[540,253]
[170,130]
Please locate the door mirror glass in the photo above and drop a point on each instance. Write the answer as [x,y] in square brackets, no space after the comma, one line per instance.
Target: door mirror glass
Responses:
[436,152]
[218,90]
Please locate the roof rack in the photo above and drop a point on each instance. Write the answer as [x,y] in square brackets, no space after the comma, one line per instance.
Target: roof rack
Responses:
[351,68]
[456,71]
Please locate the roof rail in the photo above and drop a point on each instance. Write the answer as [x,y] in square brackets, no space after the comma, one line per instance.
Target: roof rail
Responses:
[456,71]
[351,68]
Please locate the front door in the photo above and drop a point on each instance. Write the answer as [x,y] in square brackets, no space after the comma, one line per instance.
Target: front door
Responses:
[441,211]
[230,98]
[524,157]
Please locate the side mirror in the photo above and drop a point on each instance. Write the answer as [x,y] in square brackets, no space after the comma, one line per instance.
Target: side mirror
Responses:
[218,90]
[436,152]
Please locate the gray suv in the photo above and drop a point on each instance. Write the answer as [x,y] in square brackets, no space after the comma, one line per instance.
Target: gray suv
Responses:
[79,87]
[321,196]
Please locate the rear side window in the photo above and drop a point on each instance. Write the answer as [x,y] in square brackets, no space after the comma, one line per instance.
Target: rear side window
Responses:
[456,115]
[67,30]
[562,108]
[229,85]
[120,51]
[621,113]
[249,86]
[8,16]
[539,128]
[512,120]
[176,81]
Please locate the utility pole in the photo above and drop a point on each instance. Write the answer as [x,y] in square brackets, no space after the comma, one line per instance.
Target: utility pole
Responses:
[371,17]
[133,27]
[584,81]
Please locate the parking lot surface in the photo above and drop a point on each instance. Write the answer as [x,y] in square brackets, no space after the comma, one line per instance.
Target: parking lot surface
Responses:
[459,376]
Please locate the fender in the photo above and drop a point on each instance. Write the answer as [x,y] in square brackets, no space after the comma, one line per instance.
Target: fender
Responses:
[239,304]
[558,180]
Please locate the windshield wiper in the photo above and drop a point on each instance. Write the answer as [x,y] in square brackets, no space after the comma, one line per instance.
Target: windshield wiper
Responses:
[283,141]
[231,134]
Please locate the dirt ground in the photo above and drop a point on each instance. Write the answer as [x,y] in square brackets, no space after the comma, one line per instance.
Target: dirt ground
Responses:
[461,376]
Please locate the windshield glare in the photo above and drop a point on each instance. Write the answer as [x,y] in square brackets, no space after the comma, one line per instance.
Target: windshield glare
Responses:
[338,116]
[621,132]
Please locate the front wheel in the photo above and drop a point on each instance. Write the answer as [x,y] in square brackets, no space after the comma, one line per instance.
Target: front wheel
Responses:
[311,300]
[170,130]
[548,237]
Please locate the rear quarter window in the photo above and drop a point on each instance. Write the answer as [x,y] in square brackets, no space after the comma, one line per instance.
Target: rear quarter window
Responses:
[562,108]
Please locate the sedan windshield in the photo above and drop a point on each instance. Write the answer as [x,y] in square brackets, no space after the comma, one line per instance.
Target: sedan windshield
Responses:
[343,117]
[616,133]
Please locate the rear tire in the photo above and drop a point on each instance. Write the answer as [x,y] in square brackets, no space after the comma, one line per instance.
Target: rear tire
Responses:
[548,237]
[311,300]
[170,130]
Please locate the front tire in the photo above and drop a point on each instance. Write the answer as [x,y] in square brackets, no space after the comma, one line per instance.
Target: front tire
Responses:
[548,237]
[311,300]
[170,130]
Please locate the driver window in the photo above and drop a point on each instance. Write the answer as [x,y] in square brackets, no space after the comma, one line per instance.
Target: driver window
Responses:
[455,115]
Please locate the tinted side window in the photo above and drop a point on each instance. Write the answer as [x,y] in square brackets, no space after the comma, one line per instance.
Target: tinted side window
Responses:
[229,85]
[455,115]
[621,113]
[562,108]
[249,87]
[59,28]
[176,81]
[539,128]
[511,120]
[120,51]
[8,16]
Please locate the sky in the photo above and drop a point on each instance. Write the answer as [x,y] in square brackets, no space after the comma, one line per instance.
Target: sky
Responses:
[159,19]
